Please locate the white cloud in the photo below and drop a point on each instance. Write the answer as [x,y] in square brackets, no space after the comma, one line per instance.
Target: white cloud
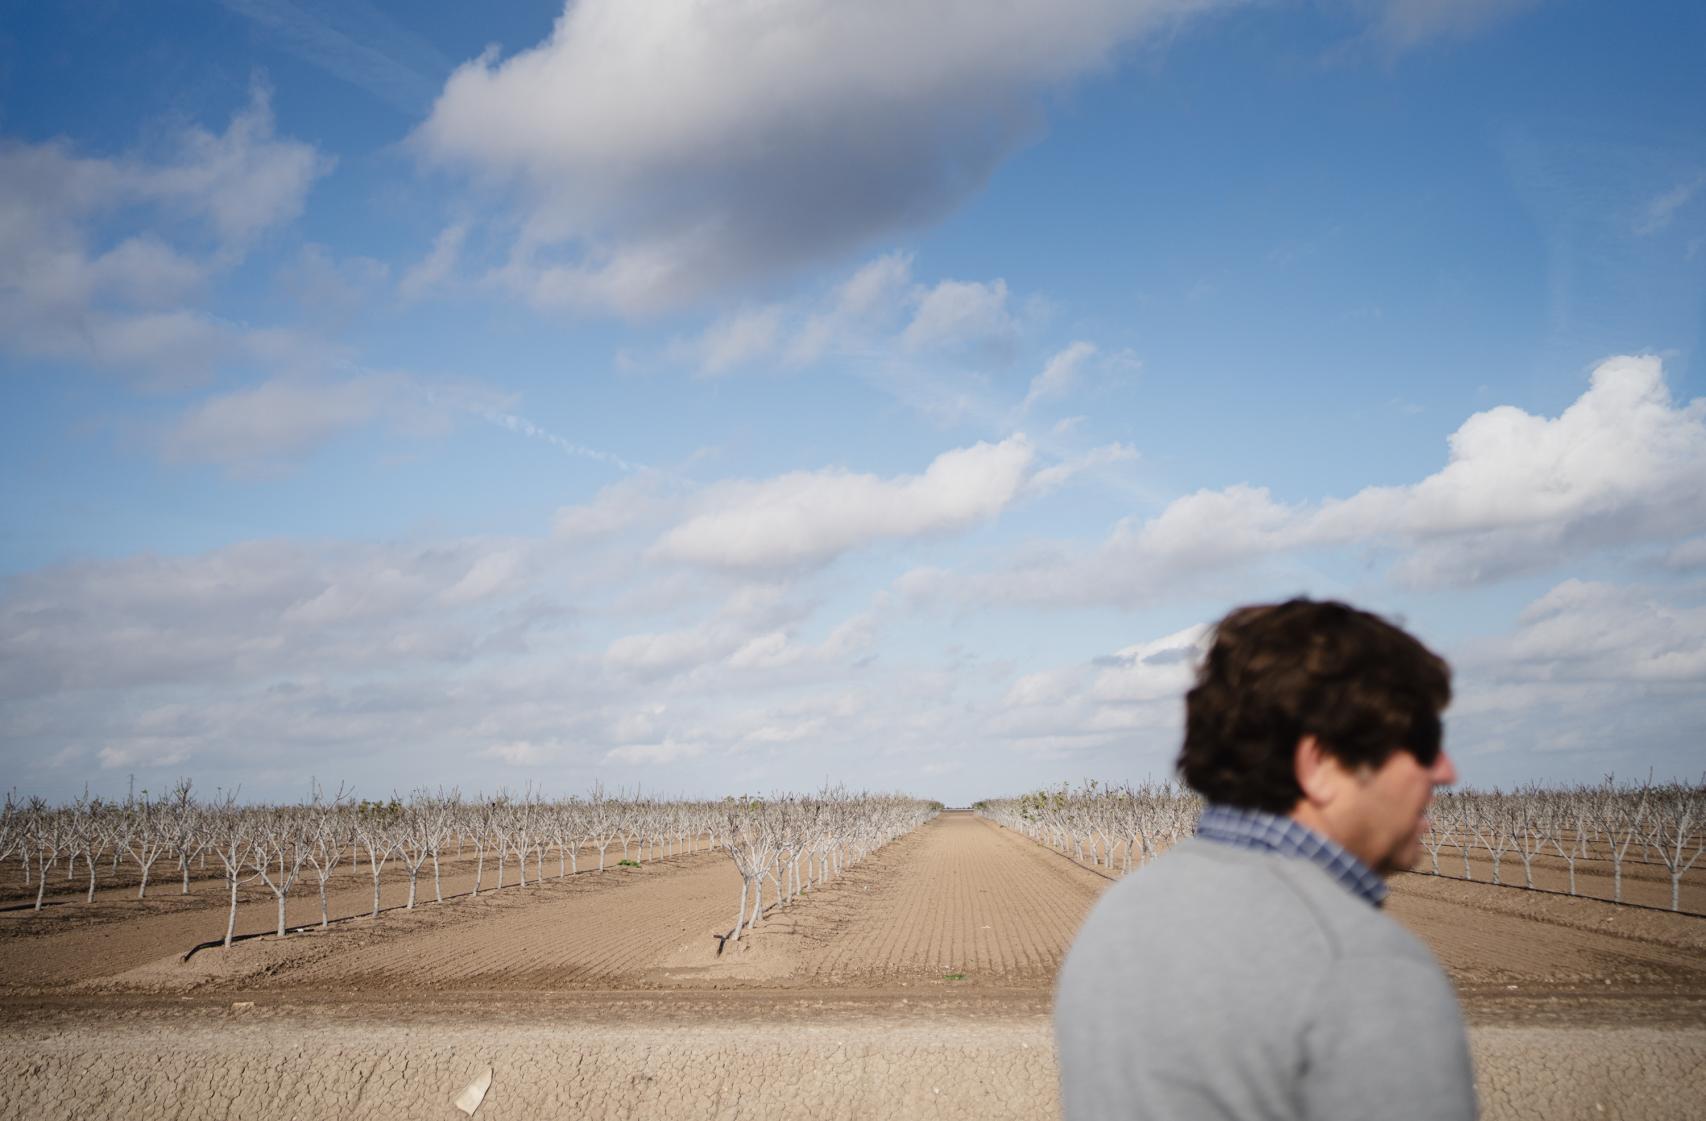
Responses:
[142,752]
[962,315]
[804,129]
[1624,465]
[282,418]
[1403,24]
[1623,462]
[522,753]
[627,504]
[140,271]
[754,629]
[243,181]
[245,612]
[433,271]
[863,304]
[1609,673]
[1137,691]
[670,651]
[1051,477]
[1659,212]
[1687,555]
[798,731]
[1059,375]
[1158,670]
[331,288]
[736,341]
[807,518]
[778,649]
[655,754]
[876,287]
[1589,631]
[67,296]
[491,574]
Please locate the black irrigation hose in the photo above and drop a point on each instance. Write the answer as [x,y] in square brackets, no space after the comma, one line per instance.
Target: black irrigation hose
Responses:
[45,904]
[1555,891]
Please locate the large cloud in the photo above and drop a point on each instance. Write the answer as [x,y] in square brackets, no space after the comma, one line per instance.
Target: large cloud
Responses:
[665,149]
[1624,465]
[1625,462]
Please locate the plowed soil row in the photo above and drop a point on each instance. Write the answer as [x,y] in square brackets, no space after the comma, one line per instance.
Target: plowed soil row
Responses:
[958,898]
[1486,936]
[620,936]
[75,942]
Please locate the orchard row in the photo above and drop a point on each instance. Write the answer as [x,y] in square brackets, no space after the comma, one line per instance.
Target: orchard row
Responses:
[1611,823]
[793,841]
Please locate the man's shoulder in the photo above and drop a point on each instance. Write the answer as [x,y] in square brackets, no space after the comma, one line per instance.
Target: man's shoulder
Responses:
[1246,894]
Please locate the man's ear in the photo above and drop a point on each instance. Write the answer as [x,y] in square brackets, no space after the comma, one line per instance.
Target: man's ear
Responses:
[1317,772]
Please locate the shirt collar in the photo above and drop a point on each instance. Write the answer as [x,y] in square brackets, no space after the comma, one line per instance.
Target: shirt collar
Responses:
[1254,829]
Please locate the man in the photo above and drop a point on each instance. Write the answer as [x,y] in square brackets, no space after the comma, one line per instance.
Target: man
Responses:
[1249,972]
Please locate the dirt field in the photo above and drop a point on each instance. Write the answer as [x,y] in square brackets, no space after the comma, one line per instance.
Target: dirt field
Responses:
[917,985]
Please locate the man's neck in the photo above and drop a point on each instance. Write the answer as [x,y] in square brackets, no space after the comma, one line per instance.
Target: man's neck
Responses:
[1308,815]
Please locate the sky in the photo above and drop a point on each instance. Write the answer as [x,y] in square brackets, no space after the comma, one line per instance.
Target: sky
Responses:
[708,397]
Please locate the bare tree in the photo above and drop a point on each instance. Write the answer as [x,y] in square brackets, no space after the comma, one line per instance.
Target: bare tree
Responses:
[419,830]
[148,832]
[48,833]
[1621,817]
[328,830]
[233,837]
[375,831]
[284,840]
[1680,833]
[191,831]
[750,845]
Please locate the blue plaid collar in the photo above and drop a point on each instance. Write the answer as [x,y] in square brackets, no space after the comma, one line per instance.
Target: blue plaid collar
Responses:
[1253,829]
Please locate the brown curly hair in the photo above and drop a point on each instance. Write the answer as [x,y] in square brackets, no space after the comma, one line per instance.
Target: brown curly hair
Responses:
[1278,672]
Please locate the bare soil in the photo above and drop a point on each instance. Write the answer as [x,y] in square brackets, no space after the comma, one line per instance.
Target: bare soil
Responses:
[916,985]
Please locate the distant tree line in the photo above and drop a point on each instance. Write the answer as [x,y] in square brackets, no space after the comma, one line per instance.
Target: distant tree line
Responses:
[1607,823]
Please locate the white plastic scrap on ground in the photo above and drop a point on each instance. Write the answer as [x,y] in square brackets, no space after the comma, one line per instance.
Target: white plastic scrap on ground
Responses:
[470,1098]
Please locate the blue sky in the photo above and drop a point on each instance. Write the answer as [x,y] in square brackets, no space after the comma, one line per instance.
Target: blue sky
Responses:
[715,397]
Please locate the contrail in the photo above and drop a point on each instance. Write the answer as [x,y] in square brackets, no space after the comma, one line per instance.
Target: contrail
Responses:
[528,428]
[524,427]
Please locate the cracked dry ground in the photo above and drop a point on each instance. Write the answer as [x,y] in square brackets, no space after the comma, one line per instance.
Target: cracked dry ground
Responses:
[916,985]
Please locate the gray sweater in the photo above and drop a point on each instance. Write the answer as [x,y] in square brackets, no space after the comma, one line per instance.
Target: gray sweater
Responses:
[1222,982]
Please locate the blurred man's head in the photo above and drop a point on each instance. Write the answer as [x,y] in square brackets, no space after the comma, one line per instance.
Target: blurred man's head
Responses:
[1325,713]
